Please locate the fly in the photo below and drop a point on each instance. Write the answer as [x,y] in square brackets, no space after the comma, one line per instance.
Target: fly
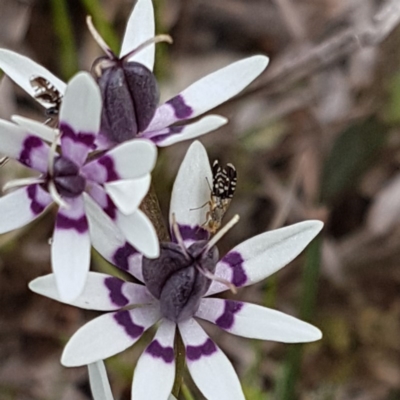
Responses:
[222,191]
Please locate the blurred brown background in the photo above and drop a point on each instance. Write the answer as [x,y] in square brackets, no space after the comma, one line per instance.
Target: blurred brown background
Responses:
[316,136]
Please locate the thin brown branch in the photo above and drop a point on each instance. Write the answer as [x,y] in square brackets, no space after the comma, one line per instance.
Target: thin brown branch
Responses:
[296,67]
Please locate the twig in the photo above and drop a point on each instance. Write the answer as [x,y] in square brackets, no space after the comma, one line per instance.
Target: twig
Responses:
[297,67]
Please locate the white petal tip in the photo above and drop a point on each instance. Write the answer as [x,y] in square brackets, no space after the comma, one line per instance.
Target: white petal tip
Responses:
[316,225]
[152,253]
[312,335]
[262,60]
[36,285]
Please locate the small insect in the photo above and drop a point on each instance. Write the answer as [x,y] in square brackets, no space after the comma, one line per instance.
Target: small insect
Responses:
[222,191]
[48,95]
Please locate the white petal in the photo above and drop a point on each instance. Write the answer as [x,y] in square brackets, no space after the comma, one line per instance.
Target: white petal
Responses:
[22,206]
[70,250]
[130,160]
[37,128]
[101,292]
[191,192]
[140,27]
[99,384]
[27,149]
[176,133]
[209,92]
[159,358]
[22,69]
[128,194]
[139,232]
[110,242]
[256,322]
[82,103]
[262,255]
[208,365]
[80,117]
[108,335]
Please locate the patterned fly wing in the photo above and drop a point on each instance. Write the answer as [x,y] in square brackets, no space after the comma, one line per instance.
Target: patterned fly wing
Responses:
[222,191]
[47,94]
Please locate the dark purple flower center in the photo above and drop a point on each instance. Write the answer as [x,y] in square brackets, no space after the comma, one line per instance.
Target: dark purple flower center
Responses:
[175,280]
[130,97]
[66,177]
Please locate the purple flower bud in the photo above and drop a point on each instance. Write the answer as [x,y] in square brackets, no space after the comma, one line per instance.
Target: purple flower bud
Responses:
[67,179]
[174,278]
[130,97]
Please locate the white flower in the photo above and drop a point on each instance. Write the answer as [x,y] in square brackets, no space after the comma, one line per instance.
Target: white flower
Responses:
[197,99]
[176,294]
[99,383]
[68,178]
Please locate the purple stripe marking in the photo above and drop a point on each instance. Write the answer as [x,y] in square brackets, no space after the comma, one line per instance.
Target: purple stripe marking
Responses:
[191,233]
[181,109]
[158,351]
[80,225]
[86,138]
[114,285]
[36,207]
[110,209]
[108,163]
[29,144]
[174,130]
[226,320]
[124,319]
[235,262]
[121,256]
[194,353]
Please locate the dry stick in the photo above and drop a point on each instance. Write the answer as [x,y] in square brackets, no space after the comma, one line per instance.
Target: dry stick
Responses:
[151,207]
[296,68]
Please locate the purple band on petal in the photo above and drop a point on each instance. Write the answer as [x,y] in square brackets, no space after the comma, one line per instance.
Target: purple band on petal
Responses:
[80,225]
[174,130]
[108,163]
[181,109]
[114,285]
[30,143]
[226,320]
[85,138]
[110,209]
[158,351]
[36,207]
[121,256]
[191,233]
[124,319]
[194,353]
[235,262]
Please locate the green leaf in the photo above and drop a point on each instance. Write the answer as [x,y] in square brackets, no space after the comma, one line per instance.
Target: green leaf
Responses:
[352,154]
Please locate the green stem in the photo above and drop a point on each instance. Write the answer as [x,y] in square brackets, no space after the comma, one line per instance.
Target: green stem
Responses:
[286,387]
[64,32]
[94,9]
[179,366]
[186,392]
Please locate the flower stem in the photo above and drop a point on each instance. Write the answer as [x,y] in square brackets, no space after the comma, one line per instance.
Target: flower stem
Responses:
[64,32]
[291,370]
[179,364]
[151,207]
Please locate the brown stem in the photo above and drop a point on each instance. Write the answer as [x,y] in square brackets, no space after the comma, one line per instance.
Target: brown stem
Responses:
[151,207]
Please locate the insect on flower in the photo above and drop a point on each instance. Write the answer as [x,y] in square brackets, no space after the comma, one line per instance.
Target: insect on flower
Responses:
[222,191]
[175,291]
[48,94]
